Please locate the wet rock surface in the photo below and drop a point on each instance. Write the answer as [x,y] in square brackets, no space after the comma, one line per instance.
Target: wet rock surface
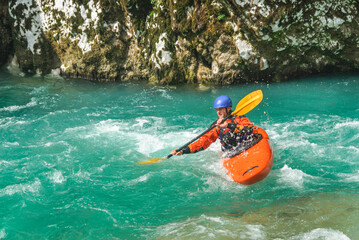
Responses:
[175,42]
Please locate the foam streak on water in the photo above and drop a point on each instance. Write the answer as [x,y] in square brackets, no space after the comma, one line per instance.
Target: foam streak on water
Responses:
[69,150]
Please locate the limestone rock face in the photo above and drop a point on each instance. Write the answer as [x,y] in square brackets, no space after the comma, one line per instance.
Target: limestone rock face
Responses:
[225,64]
[187,41]
[90,40]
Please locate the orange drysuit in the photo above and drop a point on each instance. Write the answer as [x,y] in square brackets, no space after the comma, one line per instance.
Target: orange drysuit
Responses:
[236,122]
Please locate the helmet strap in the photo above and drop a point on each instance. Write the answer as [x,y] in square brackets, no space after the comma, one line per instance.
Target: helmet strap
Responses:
[227,111]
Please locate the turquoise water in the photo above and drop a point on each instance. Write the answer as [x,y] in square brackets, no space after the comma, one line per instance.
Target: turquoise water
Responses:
[69,150]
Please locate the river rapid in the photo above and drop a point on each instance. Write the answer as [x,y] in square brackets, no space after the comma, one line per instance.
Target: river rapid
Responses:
[69,151]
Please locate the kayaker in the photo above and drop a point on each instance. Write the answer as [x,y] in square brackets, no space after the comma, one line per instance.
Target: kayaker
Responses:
[231,133]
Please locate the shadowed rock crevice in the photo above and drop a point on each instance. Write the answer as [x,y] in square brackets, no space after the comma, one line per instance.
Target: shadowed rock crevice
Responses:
[6,48]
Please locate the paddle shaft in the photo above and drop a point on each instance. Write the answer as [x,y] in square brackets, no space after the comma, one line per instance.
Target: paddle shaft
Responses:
[194,139]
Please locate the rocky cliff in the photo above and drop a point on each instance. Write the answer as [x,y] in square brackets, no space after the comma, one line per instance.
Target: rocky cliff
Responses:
[180,41]
[5,33]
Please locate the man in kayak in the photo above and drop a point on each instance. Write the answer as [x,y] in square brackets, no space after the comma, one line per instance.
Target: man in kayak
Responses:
[232,133]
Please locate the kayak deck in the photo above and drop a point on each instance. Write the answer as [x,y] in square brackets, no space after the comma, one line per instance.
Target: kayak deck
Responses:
[252,165]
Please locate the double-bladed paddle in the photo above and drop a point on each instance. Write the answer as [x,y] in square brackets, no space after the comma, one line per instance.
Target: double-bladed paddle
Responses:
[244,106]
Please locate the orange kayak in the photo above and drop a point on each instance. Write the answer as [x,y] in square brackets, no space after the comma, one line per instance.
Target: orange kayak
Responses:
[253,164]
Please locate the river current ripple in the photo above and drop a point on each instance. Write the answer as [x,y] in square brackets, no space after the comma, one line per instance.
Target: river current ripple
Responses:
[69,150]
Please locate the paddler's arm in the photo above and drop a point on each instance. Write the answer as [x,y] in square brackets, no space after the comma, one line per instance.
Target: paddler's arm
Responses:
[186,150]
[204,141]
[199,145]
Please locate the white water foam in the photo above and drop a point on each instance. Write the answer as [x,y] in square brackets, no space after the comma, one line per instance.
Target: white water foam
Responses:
[107,127]
[151,143]
[254,232]
[315,140]
[148,122]
[140,122]
[10,122]
[21,188]
[143,132]
[7,164]
[10,144]
[95,130]
[14,108]
[350,148]
[57,177]
[148,134]
[81,176]
[348,123]
[102,167]
[350,177]
[286,135]
[106,212]
[215,178]
[39,90]
[164,93]
[292,177]
[221,184]
[2,233]
[143,178]
[151,135]
[321,233]
[147,143]
[204,227]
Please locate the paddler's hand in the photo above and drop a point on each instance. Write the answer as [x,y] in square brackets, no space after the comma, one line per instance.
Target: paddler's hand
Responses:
[174,152]
[223,125]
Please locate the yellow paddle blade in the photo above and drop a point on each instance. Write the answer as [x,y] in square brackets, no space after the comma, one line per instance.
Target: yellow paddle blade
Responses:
[248,103]
[151,160]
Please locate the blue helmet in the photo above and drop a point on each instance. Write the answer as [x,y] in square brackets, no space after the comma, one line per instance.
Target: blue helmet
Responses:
[222,101]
